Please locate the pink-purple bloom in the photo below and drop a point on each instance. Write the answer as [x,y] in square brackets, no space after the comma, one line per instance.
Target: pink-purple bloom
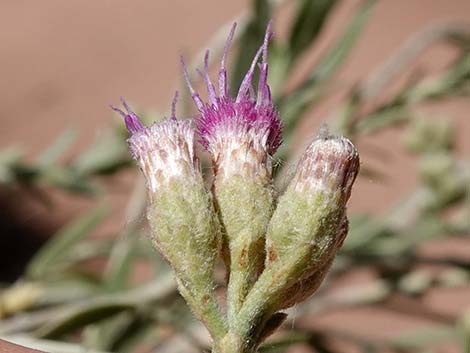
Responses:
[163,150]
[132,121]
[247,115]
[241,133]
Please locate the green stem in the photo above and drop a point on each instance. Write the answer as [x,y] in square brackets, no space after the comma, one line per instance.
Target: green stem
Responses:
[245,206]
[263,300]
[259,305]
[247,258]
[206,308]
[237,290]
[231,343]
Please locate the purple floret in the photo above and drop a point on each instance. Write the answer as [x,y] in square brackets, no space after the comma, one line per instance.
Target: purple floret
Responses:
[132,121]
[246,113]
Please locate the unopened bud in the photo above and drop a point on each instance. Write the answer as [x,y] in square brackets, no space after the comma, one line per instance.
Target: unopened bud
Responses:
[328,166]
[310,224]
[307,228]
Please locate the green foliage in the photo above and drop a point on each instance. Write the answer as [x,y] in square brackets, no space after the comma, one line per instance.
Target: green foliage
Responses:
[309,20]
[251,37]
[53,254]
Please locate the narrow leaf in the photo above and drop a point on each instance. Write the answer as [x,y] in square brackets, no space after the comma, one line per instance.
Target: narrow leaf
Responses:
[298,101]
[57,248]
[106,155]
[251,40]
[310,17]
[57,148]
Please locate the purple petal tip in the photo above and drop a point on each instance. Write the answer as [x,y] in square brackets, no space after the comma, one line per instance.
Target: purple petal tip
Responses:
[248,111]
[133,124]
[132,121]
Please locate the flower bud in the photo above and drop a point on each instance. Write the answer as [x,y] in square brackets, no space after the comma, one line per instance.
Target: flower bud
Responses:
[241,134]
[310,224]
[307,228]
[306,287]
[180,213]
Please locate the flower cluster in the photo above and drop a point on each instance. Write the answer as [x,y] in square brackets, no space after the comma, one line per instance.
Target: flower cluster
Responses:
[277,248]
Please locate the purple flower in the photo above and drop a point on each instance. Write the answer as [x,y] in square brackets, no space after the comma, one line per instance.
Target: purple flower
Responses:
[163,150]
[132,121]
[240,130]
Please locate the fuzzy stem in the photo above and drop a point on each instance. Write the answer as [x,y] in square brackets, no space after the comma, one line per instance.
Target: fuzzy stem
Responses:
[206,309]
[264,296]
[259,305]
[231,343]
[243,273]
[245,207]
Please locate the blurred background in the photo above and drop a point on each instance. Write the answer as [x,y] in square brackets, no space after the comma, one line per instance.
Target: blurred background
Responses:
[75,267]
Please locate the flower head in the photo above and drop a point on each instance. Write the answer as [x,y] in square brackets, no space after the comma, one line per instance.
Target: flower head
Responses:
[163,150]
[240,133]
